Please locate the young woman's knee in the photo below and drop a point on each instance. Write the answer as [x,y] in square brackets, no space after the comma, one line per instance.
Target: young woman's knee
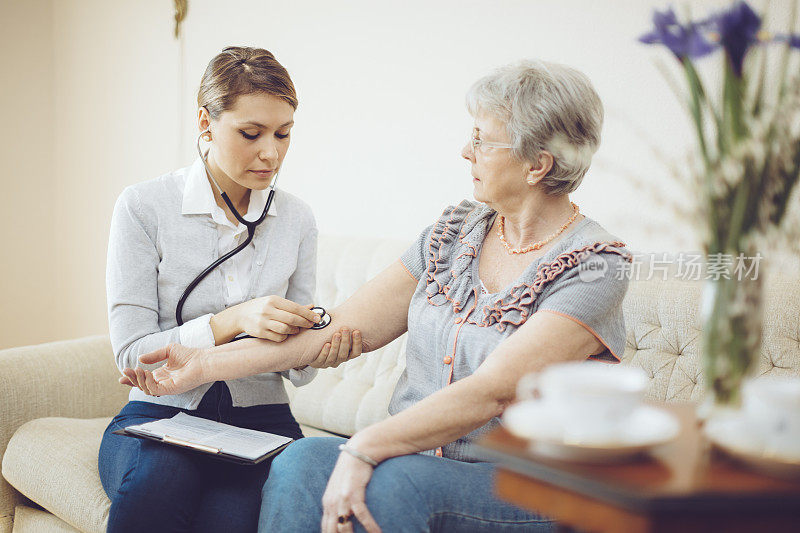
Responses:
[162,471]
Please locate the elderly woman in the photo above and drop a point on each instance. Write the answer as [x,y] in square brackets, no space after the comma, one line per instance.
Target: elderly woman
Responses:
[493,290]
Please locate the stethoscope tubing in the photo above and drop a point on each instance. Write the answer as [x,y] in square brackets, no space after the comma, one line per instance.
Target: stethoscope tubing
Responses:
[251,229]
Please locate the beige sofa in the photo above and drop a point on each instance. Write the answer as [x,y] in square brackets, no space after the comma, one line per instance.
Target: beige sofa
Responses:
[56,399]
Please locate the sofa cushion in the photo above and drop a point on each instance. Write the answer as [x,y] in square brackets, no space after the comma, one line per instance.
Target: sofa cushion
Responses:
[30,520]
[53,461]
[74,378]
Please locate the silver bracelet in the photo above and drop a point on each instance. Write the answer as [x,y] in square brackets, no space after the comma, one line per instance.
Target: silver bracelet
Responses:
[358,455]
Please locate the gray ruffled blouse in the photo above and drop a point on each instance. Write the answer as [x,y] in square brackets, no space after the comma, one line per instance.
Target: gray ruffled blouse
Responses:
[454,323]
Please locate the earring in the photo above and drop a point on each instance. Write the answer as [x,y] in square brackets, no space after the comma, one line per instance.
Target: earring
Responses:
[206,135]
[531,181]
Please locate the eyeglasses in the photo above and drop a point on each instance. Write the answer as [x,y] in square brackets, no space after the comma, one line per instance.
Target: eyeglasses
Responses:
[479,145]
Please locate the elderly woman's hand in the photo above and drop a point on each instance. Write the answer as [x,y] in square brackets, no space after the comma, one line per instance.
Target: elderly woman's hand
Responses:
[342,347]
[184,370]
[345,496]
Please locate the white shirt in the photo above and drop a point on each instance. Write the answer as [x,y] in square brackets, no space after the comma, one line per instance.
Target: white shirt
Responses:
[198,199]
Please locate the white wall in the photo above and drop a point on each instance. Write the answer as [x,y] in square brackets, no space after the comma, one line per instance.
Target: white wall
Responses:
[375,149]
[27,173]
[382,111]
[116,96]
[382,99]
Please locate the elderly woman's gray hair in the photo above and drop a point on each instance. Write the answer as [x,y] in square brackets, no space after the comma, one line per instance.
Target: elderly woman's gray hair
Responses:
[549,107]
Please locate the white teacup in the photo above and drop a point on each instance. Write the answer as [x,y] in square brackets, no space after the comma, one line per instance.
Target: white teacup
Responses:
[772,407]
[593,400]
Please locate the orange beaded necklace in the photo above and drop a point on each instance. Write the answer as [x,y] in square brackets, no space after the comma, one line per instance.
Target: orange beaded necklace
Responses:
[536,245]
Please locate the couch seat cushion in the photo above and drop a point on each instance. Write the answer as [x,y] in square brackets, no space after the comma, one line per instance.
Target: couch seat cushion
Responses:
[53,461]
[29,520]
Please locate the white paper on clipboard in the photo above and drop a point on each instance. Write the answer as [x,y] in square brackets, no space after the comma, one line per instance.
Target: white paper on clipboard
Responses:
[240,442]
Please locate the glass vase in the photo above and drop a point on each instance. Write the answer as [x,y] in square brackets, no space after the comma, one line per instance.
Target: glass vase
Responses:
[732,316]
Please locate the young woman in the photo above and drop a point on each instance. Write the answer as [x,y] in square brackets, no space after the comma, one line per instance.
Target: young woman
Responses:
[164,232]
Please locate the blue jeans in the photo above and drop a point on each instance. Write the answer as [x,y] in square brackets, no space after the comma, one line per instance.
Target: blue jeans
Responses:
[407,493]
[157,487]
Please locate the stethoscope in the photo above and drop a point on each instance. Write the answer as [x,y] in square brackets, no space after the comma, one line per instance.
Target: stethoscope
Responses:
[251,228]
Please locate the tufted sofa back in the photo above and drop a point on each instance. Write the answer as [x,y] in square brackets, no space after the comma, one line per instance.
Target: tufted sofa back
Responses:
[660,316]
[663,327]
[355,394]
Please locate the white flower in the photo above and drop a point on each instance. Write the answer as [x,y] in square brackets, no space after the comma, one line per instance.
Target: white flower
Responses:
[794,127]
[731,169]
[758,152]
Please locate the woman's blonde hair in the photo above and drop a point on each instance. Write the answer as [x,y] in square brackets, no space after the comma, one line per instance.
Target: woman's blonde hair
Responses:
[239,70]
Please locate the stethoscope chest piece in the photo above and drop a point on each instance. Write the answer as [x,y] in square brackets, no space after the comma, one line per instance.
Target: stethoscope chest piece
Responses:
[326,318]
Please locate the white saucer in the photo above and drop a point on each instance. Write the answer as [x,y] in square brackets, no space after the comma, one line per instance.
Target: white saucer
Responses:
[646,427]
[734,435]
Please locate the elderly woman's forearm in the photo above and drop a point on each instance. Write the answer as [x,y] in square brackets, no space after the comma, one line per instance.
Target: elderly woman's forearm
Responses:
[255,356]
[441,418]
[467,404]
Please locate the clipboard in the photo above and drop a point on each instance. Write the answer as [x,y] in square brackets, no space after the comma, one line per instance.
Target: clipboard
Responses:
[202,448]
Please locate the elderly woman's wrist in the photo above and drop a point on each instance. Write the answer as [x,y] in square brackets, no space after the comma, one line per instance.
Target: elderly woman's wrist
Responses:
[208,364]
[362,443]
[353,452]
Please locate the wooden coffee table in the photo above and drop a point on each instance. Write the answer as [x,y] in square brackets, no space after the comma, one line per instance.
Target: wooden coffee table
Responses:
[683,486]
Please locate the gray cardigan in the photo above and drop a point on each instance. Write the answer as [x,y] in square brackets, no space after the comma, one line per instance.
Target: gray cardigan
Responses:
[154,252]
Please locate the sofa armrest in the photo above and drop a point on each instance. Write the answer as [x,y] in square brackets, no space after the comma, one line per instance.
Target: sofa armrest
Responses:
[74,379]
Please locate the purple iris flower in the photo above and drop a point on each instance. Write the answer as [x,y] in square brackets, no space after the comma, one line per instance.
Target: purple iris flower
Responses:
[683,40]
[738,30]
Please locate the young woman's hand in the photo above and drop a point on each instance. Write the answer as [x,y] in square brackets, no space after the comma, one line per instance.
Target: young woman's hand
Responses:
[270,317]
[184,370]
